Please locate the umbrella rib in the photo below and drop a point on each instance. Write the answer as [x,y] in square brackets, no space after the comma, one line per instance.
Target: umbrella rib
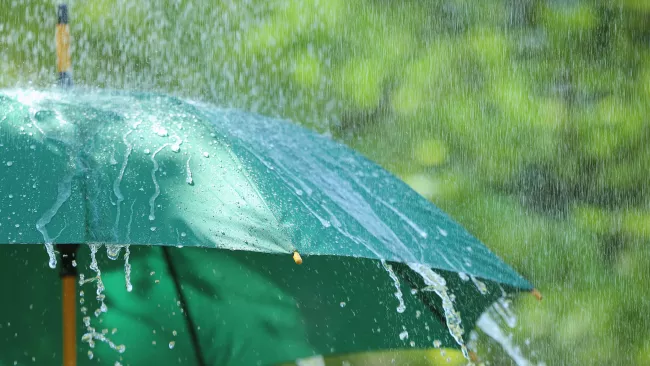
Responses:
[426,300]
[186,311]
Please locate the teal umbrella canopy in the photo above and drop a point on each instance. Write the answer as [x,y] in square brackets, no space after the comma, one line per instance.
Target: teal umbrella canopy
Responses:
[118,169]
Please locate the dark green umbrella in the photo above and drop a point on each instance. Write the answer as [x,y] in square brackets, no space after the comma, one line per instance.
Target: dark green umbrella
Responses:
[117,169]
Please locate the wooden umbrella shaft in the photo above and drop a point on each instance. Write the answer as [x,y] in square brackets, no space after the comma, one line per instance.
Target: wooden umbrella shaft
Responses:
[68,273]
[63,61]
[69,286]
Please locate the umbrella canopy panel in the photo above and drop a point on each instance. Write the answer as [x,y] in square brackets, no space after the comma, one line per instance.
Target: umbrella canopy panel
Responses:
[158,170]
[247,308]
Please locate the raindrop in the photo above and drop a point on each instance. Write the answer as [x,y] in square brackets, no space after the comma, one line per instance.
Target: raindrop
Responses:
[342,304]
[442,231]
[172,344]
[113,251]
[160,131]
[206,155]
[10,163]
[90,355]
[404,335]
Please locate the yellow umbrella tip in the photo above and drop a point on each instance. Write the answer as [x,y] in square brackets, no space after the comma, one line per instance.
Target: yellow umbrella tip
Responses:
[297,258]
[537,294]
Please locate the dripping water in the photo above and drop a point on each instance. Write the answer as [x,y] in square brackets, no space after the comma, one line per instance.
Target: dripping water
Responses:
[436,283]
[398,291]
[64,192]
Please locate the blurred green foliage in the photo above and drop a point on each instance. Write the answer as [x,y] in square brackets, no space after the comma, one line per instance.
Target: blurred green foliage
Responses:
[527,120]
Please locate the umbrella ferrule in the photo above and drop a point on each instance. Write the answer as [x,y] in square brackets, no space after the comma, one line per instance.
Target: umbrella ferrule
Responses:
[297,258]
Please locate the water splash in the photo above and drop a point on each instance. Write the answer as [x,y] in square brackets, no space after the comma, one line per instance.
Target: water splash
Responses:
[490,327]
[98,278]
[152,200]
[502,308]
[64,192]
[398,291]
[437,284]
[92,334]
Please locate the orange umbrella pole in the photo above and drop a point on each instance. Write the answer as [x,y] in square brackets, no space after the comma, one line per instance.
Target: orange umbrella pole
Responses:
[63,62]
[69,321]
[69,299]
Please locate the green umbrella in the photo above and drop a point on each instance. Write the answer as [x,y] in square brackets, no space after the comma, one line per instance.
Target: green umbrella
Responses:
[116,169]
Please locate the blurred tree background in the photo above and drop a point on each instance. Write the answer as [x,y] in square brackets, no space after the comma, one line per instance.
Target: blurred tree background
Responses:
[527,120]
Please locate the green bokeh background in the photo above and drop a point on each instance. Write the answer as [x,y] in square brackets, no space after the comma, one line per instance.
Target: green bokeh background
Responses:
[527,120]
